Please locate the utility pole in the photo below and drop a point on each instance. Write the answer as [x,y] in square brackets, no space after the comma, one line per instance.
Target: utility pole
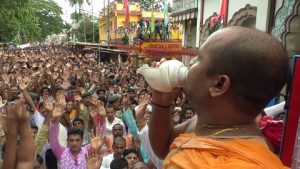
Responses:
[108,25]
[93,21]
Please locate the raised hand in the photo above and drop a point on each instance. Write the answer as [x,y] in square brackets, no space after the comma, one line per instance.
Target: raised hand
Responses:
[65,85]
[77,97]
[48,105]
[79,74]
[23,83]
[141,110]
[55,75]
[2,103]
[61,101]
[94,159]
[22,114]
[57,113]
[66,75]
[96,107]
[96,139]
[5,79]
[125,100]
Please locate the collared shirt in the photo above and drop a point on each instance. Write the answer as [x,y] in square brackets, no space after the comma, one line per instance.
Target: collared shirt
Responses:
[64,156]
[106,161]
[109,126]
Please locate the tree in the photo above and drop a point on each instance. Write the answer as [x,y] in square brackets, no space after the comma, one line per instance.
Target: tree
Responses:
[85,30]
[147,5]
[76,16]
[49,17]
[18,22]
[23,21]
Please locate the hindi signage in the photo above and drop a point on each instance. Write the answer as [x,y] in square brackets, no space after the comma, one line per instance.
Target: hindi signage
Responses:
[182,5]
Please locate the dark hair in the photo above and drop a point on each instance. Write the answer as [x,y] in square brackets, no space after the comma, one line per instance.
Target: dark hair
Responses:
[130,150]
[77,119]
[255,62]
[34,127]
[75,131]
[190,108]
[119,163]
[119,138]
[40,159]
[117,124]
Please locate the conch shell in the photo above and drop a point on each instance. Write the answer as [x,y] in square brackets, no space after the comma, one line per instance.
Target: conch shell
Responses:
[169,75]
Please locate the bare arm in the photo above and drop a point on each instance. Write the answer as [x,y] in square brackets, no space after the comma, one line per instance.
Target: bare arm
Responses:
[161,129]
[9,159]
[161,132]
[26,150]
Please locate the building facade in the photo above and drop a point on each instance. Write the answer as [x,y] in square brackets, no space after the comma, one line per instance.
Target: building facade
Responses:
[278,17]
[115,17]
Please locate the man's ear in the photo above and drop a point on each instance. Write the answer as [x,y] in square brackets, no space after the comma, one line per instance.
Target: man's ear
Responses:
[221,85]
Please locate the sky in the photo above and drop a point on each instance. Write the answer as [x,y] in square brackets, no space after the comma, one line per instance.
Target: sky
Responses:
[97,6]
[67,9]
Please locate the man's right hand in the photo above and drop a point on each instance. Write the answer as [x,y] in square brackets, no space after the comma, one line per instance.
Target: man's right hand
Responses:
[164,99]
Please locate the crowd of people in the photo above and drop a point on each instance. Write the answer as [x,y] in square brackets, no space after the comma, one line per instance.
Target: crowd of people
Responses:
[142,31]
[63,110]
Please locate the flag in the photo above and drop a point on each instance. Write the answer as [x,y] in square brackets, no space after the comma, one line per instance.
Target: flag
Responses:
[223,12]
[166,14]
[152,24]
[126,10]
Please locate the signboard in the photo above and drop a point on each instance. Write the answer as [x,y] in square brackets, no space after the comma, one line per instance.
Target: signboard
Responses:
[182,5]
[162,45]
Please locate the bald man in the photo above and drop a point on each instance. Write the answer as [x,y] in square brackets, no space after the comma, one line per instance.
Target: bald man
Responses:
[238,71]
[119,145]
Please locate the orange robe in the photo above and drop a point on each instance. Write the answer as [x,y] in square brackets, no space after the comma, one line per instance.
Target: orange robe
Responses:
[192,152]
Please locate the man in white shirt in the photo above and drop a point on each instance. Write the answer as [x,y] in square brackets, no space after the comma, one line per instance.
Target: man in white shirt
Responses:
[111,120]
[119,145]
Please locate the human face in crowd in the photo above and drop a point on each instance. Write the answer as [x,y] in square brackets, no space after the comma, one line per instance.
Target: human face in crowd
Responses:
[140,165]
[116,89]
[178,101]
[14,91]
[45,93]
[86,100]
[189,114]
[131,158]
[110,113]
[79,124]
[42,109]
[70,106]
[118,148]
[176,117]
[117,130]
[75,142]
[58,83]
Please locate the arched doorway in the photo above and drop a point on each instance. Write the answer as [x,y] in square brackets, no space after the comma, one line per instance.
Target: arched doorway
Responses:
[291,35]
[244,17]
[205,30]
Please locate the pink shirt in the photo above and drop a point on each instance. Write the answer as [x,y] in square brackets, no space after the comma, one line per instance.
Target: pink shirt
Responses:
[64,156]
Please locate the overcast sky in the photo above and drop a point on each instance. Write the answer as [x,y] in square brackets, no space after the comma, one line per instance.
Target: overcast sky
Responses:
[67,9]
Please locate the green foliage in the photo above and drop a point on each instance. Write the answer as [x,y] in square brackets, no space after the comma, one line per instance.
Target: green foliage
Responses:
[85,30]
[23,21]
[49,17]
[147,5]
[76,16]
[170,9]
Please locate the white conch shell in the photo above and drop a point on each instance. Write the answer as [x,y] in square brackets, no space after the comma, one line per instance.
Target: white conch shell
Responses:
[169,75]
